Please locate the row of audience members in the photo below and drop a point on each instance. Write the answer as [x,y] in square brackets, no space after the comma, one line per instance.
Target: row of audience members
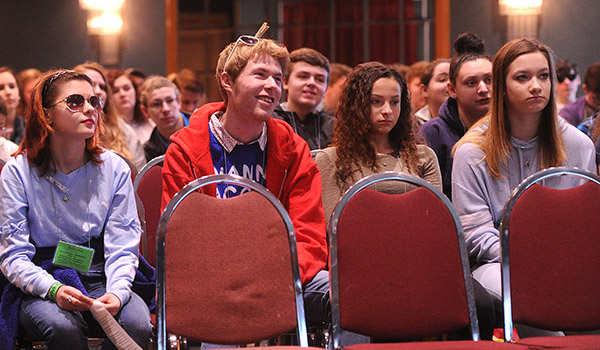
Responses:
[309,106]
[134,126]
[64,187]
[497,126]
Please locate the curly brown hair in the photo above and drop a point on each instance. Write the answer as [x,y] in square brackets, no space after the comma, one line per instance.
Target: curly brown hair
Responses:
[352,123]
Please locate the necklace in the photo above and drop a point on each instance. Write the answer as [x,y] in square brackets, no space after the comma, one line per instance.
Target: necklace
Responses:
[396,155]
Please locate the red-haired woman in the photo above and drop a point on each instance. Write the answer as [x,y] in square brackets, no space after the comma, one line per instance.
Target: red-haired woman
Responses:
[69,227]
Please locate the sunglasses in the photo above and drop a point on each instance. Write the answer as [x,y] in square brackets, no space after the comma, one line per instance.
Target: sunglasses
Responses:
[75,102]
[561,78]
[249,40]
[246,39]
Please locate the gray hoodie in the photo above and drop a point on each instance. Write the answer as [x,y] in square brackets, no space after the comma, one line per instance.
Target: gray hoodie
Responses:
[479,198]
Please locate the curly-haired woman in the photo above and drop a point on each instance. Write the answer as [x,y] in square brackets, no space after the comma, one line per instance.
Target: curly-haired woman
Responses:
[374,132]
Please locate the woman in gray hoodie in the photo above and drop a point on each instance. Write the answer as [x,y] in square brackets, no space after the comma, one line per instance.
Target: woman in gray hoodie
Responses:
[520,135]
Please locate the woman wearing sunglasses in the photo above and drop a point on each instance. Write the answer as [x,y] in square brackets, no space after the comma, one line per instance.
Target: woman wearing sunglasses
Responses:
[69,228]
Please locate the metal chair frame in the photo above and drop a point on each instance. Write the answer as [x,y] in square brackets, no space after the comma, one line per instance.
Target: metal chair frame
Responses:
[136,184]
[145,168]
[160,249]
[333,231]
[504,246]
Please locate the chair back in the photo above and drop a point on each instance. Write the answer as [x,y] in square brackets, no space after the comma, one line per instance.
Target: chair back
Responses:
[398,263]
[227,269]
[132,167]
[148,186]
[550,244]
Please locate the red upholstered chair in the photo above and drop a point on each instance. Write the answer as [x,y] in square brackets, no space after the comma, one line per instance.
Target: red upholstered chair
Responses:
[550,243]
[148,186]
[399,268]
[227,269]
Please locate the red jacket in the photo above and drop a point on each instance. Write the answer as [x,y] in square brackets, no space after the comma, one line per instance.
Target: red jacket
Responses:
[291,175]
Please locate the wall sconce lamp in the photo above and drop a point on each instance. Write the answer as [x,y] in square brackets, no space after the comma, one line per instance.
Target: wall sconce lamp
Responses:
[522,17]
[105,26]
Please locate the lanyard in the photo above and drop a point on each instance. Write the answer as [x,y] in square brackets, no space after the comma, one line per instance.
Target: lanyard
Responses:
[59,186]
[62,188]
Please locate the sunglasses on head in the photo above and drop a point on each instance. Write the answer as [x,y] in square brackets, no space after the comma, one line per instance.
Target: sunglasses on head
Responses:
[561,78]
[249,40]
[246,39]
[75,102]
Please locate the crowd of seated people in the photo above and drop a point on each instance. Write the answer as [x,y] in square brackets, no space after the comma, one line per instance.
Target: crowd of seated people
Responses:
[474,126]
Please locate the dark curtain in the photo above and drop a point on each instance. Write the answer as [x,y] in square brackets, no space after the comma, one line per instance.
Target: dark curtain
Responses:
[306,23]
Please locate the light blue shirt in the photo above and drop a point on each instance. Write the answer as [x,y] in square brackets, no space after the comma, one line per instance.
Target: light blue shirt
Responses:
[33,214]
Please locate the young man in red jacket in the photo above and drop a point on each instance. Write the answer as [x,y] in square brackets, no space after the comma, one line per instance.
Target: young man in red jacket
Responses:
[239,136]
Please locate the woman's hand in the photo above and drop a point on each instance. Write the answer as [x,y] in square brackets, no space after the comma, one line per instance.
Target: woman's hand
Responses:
[111,302]
[69,298]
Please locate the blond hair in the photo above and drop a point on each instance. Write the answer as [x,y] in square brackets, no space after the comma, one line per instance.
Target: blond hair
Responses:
[244,53]
[112,137]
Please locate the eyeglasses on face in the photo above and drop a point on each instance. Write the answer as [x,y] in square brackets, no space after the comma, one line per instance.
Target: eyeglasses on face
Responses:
[159,103]
[561,78]
[75,102]
[245,39]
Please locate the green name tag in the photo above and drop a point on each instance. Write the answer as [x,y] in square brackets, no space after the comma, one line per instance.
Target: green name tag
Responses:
[73,256]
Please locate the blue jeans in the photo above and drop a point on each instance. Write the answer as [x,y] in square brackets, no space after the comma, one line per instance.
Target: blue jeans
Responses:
[317,307]
[61,329]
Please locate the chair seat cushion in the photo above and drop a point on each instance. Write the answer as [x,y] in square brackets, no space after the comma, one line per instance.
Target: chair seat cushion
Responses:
[437,345]
[587,341]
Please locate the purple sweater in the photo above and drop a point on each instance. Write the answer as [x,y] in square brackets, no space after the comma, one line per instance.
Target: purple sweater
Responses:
[574,112]
[441,134]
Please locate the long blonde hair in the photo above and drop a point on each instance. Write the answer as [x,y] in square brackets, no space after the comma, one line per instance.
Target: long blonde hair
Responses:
[495,140]
[112,136]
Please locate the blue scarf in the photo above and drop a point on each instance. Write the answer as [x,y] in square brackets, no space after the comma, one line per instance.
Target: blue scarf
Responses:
[11,296]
